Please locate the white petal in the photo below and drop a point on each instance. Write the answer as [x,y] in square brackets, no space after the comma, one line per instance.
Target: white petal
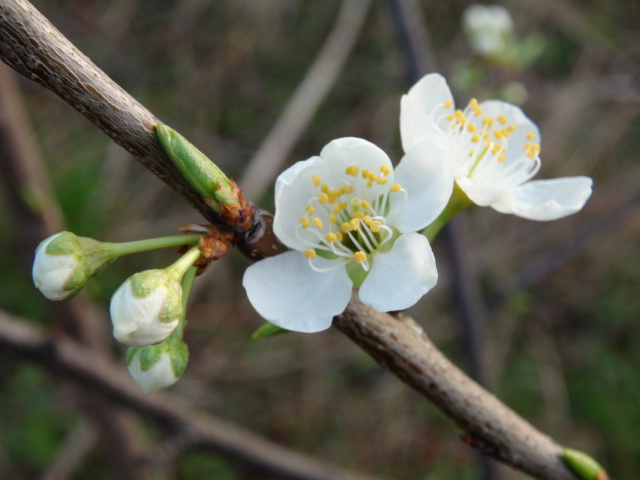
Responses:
[483,195]
[422,106]
[547,199]
[160,375]
[344,152]
[136,320]
[515,116]
[52,272]
[294,190]
[288,293]
[401,276]
[425,173]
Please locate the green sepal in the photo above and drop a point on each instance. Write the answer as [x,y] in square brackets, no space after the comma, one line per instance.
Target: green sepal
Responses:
[179,358]
[583,465]
[267,330]
[196,167]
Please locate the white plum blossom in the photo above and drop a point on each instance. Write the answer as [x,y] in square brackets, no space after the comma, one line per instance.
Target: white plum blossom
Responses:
[350,221]
[489,27]
[64,262]
[494,152]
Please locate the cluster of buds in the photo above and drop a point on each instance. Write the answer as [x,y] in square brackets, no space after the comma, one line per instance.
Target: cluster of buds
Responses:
[148,310]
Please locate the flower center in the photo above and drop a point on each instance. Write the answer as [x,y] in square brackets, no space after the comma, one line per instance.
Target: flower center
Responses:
[480,143]
[348,222]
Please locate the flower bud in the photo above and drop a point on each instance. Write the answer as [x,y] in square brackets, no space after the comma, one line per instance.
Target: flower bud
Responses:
[157,366]
[146,308]
[64,262]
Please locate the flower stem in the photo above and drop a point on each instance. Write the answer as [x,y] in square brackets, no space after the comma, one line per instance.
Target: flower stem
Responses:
[458,202]
[125,248]
[180,267]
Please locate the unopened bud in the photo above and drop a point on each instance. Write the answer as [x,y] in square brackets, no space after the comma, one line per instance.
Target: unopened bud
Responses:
[64,262]
[157,366]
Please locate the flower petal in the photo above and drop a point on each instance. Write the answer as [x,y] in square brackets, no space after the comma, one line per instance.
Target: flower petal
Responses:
[288,293]
[515,116]
[425,173]
[294,189]
[421,106]
[547,199]
[483,195]
[401,276]
[345,152]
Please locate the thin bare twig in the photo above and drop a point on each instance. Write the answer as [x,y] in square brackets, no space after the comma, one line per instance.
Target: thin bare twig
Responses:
[96,374]
[324,72]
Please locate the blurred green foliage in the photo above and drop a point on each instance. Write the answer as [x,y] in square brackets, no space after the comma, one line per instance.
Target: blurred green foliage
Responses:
[564,354]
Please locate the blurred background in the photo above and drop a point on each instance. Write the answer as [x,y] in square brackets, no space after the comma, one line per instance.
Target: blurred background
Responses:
[555,305]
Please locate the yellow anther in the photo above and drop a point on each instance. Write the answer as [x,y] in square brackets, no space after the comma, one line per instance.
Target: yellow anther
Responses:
[323,198]
[310,253]
[352,170]
[385,169]
[366,205]
[478,112]
[318,223]
[472,128]
[332,218]
[367,219]
[324,188]
[530,136]
[498,134]
[339,236]
[502,158]
[358,215]
[331,237]
[316,180]
[511,128]
[496,149]
[343,205]
[354,224]
[375,226]
[396,188]
[381,180]
[487,122]
[347,189]
[336,208]
[473,104]
[360,256]
[310,210]
[447,104]
[449,117]
[502,119]
[305,222]
[475,138]
[345,227]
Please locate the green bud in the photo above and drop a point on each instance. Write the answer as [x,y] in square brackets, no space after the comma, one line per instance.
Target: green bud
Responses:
[583,465]
[199,171]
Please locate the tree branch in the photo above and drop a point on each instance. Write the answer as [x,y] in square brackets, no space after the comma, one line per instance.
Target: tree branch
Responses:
[33,47]
[96,374]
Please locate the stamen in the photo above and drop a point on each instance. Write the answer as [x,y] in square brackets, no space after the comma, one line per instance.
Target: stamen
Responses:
[316,180]
[310,210]
[305,222]
[323,198]
[318,223]
[530,136]
[360,257]
[447,104]
[385,169]
[502,119]
[310,253]
[396,188]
